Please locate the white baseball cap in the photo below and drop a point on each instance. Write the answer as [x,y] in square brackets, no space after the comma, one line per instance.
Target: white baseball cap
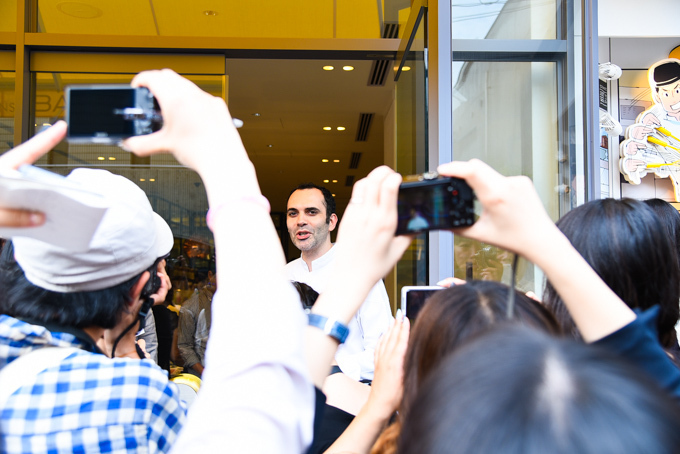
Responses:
[129,239]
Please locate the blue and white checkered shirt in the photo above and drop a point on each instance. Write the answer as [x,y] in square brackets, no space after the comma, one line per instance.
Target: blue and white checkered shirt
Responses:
[87,404]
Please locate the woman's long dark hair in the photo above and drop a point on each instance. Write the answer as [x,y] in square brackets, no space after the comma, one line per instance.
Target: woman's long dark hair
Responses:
[518,391]
[451,318]
[626,244]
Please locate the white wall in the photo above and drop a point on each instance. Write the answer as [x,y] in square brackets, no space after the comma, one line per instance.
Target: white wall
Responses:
[638,18]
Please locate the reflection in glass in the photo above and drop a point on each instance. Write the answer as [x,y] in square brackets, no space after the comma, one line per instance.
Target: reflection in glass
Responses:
[505,113]
[7,106]
[176,193]
[411,157]
[504,19]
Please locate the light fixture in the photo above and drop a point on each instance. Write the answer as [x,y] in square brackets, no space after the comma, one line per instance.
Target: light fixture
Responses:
[406,68]
[327,128]
[348,68]
[46,124]
[152,179]
[256,114]
[101,158]
[112,158]
[324,160]
[336,160]
[210,12]
[270,146]
[341,128]
[335,181]
[326,181]
[142,179]
[333,195]
[328,68]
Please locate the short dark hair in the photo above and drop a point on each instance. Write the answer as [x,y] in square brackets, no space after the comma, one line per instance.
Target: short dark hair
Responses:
[22,299]
[627,246]
[308,295]
[516,391]
[328,199]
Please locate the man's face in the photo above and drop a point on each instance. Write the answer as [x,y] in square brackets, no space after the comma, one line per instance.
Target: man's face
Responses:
[669,95]
[306,219]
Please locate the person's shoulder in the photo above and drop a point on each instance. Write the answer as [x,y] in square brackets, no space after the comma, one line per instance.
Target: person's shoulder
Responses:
[293,262]
[190,303]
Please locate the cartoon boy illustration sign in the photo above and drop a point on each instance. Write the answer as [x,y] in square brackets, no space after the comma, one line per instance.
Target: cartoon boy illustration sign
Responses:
[652,144]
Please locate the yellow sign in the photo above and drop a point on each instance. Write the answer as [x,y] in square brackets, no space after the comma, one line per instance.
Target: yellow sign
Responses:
[48,104]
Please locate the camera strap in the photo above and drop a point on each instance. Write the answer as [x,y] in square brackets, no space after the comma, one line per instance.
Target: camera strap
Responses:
[141,316]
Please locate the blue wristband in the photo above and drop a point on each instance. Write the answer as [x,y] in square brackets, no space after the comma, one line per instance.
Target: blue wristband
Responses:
[332,328]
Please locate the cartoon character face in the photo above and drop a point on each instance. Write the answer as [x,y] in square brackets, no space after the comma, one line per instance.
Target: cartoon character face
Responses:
[669,97]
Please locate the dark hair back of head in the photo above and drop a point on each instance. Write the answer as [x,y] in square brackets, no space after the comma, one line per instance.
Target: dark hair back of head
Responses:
[453,316]
[22,299]
[518,391]
[308,295]
[670,219]
[626,244]
[328,199]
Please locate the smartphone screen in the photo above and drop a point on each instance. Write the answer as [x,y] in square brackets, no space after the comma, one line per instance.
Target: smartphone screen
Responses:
[438,204]
[413,299]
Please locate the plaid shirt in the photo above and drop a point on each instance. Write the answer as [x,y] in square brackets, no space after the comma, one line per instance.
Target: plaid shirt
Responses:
[87,404]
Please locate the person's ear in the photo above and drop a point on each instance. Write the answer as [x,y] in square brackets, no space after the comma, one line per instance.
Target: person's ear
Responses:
[333,222]
[136,290]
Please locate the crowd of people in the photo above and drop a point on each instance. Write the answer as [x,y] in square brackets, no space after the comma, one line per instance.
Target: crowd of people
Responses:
[484,368]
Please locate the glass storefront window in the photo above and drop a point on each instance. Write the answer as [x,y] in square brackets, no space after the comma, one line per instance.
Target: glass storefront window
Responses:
[7,107]
[504,19]
[505,113]
[175,192]
[412,140]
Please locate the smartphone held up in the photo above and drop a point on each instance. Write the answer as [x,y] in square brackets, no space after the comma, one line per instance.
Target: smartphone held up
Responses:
[431,202]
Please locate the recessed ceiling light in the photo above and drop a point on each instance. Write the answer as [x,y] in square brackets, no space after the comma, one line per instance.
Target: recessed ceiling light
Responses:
[101,158]
[270,146]
[328,68]
[327,128]
[256,114]
[112,158]
[210,12]
[142,179]
[406,68]
[348,68]
[152,179]
[326,181]
[335,181]
[324,160]
[79,10]
[336,160]
[341,128]
[333,195]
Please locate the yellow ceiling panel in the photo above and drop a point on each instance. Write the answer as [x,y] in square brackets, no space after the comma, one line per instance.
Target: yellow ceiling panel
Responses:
[122,17]
[358,19]
[8,15]
[245,19]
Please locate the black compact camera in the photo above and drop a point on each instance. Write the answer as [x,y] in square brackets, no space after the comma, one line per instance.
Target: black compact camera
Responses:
[108,114]
[430,202]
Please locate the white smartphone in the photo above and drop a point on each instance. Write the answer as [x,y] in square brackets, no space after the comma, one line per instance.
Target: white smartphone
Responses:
[413,299]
